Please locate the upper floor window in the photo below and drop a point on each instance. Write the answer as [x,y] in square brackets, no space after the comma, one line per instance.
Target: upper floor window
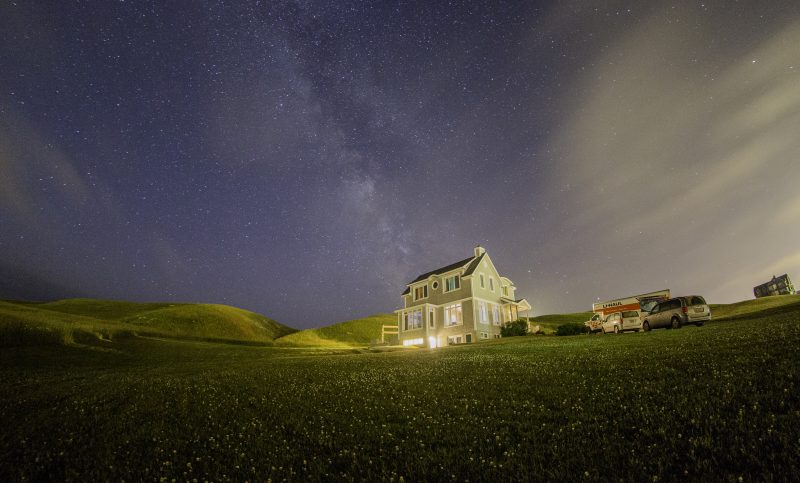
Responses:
[505,290]
[483,282]
[452,283]
[453,315]
[491,284]
[421,292]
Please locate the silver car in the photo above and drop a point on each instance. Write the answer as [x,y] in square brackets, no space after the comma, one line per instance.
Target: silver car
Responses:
[676,312]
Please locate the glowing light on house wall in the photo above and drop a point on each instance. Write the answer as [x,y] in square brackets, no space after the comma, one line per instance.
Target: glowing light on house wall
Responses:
[413,342]
[432,342]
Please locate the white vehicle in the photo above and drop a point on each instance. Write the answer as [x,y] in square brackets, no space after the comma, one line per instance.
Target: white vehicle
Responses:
[618,322]
[640,303]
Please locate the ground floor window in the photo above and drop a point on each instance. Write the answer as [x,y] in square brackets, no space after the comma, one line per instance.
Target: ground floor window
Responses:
[453,315]
[483,313]
[469,338]
[497,336]
[454,339]
[413,320]
[496,314]
[412,342]
[431,320]
[484,335]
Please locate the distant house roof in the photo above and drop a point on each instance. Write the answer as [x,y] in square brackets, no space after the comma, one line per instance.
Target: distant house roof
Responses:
[472,261]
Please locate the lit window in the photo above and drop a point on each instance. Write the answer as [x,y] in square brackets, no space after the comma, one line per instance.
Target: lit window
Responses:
[412,342]
[421,292]
[452,283]
[483,312]
[496,314]
[452,315]
[413,320]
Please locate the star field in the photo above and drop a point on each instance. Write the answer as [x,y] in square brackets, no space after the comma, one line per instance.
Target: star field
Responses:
[305,160]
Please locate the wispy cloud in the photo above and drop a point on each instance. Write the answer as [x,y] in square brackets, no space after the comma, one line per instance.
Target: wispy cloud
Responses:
[676,165]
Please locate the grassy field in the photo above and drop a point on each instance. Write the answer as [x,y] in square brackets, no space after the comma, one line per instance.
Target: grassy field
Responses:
[718,402]
[84,320]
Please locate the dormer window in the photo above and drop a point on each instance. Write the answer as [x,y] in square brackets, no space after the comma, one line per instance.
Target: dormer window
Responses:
[421,292]
[505,290]
[452,283]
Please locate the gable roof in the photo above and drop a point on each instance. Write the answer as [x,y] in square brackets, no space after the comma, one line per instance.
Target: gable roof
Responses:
[472,261]
[475,262]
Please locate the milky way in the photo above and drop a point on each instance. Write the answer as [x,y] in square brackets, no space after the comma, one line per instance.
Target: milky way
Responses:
[307,159]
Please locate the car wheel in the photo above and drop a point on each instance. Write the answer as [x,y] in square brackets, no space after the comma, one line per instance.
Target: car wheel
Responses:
[676,323]
[646,326]
[699,324]
[616,329]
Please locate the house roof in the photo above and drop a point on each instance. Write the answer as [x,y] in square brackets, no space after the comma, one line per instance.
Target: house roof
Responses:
[472,266]
[472,261]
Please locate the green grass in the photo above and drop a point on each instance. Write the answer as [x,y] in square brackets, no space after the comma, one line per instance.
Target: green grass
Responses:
[549,323]
[68,321]
[353,333]
[714,403]
[748,307]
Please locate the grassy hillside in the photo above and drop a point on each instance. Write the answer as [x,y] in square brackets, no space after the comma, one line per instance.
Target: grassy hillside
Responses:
[748,307]
[353,333]
[719,312]
[67,321]
[549,323]
[713,403]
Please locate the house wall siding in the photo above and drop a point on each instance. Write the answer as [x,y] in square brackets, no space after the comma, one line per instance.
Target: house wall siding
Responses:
[437,296]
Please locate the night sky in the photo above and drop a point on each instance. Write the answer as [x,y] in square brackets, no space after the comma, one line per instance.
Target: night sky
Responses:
[306,160]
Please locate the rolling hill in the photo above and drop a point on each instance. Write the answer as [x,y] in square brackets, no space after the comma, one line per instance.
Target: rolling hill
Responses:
[549,323]
[359,332]
[65,321]
[779,303]
[91,321]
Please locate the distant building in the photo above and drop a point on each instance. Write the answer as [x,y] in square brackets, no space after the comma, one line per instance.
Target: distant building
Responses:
[464,302]
[777,286]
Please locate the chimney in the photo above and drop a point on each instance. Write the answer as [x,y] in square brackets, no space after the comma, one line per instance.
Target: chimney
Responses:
[479,250]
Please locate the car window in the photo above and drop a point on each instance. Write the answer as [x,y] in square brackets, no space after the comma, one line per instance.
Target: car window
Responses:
[630,313]
[675,304]
[655,308]
[649,305]
[697,300]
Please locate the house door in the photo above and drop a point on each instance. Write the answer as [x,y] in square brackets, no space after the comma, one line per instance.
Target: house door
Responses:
[469,338]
